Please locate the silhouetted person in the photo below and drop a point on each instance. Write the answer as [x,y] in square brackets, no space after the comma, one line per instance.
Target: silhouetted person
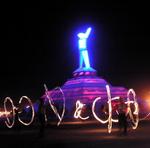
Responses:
[41,117]
[122,117]
[16,123]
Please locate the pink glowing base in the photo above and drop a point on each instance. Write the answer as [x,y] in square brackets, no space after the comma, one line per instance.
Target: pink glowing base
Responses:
[85,86]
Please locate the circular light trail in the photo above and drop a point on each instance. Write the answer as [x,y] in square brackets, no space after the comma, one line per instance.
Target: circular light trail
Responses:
[33,112]
[7,122]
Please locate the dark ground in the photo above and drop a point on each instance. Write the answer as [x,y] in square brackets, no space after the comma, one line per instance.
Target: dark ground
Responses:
[77,135]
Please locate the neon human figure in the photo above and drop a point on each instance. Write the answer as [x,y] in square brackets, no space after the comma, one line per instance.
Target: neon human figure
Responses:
[84,58]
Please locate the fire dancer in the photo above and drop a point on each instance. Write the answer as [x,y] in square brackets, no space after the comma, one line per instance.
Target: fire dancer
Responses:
[122,116]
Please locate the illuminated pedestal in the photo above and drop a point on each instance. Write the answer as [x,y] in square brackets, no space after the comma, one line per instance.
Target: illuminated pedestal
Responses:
[85,86]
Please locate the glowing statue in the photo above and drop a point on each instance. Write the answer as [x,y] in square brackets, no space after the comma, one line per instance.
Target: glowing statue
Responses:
[83,49]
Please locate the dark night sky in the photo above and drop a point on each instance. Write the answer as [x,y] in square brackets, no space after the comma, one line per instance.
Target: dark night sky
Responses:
[39,45]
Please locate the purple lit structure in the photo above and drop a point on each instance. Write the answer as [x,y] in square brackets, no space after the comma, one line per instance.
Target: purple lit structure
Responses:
[84,85]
